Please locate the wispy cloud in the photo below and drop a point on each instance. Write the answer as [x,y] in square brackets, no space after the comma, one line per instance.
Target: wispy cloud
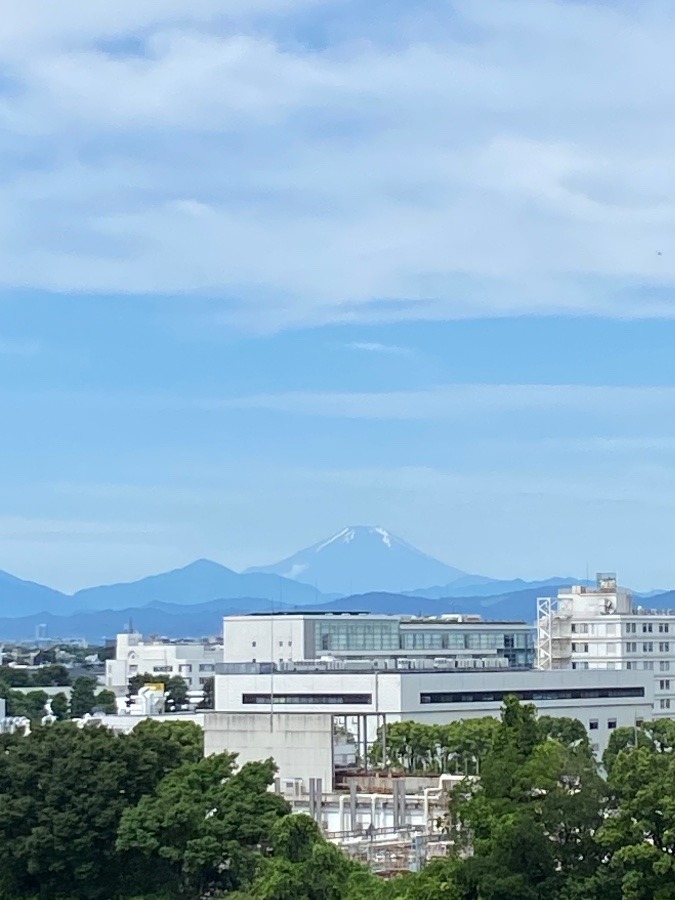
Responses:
[452,400]
[378,179]
[385,349]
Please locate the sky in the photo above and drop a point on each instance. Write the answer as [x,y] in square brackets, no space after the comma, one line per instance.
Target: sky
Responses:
[273,267]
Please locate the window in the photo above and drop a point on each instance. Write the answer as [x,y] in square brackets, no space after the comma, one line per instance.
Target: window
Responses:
[664,628]
[647,628]
[161,668]
[664,684]
[254,643]
[649,666]
[665,703]
[664,666]
[207,667]
[314,699]
[639,723]
[630,628]
[664,647]
[550,694]
[593,725]
[579,648]
[281,643]
[631,647]
[611,723]
[631,665]
[290,643]
[185,667]
[648,647]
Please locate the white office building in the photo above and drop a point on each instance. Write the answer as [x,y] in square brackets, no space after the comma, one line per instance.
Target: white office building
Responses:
[601,700]
[193,661]
[307,636]
[602,628]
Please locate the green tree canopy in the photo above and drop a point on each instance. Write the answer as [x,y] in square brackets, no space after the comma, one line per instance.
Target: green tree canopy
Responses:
[206,827]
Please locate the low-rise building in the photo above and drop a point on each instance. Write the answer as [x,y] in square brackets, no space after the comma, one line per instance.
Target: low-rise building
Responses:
[194,661]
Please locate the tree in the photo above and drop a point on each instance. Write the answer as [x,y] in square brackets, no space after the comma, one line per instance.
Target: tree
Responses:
[177,690]
[60,706]
[206,827]
[82,698]
[305,867]
[62,793]
[639,831]
[209,694]
[51,676]
[418,748]
[106,702]
[529,823]
[31,704]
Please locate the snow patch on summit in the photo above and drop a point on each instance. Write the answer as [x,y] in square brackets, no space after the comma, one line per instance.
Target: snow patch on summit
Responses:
[347,535]
[386,537]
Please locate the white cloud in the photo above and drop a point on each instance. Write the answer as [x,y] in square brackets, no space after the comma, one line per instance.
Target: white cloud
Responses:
[527,168]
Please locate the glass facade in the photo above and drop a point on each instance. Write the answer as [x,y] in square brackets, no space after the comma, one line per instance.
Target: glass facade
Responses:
[365,635]
[516,646]
[356,635]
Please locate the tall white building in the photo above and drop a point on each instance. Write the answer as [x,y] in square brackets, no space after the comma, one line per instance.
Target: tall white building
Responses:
[602,628]
[193,661]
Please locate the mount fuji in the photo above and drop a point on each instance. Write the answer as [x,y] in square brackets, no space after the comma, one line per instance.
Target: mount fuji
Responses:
[363,558]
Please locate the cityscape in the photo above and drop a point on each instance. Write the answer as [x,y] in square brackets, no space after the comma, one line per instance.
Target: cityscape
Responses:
[337,442]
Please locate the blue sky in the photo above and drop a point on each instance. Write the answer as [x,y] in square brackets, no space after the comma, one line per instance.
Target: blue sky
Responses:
[303,264]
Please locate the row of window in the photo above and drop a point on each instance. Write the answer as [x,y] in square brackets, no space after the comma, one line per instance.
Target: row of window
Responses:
[647,628]
[647,647]
[609,629]
[554,694]
[648,665]
[318,699]
[185,669]
[631,647]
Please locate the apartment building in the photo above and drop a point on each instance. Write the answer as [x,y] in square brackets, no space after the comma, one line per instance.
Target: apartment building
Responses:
[603,628]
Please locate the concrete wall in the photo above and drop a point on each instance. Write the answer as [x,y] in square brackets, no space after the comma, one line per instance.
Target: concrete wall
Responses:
[300,744]
[263,638]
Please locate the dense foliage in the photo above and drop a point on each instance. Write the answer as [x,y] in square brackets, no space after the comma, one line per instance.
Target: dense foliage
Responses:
[91,815]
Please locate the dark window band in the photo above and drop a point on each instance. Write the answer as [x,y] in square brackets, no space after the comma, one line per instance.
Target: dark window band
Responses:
[554,694]
[319,699]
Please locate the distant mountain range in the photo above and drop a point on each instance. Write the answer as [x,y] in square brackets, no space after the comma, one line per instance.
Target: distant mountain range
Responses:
[360,567]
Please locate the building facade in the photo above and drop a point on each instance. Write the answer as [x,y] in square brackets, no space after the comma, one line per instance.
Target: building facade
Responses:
[601,700]
[194,662]
[602,628]
[307,636]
